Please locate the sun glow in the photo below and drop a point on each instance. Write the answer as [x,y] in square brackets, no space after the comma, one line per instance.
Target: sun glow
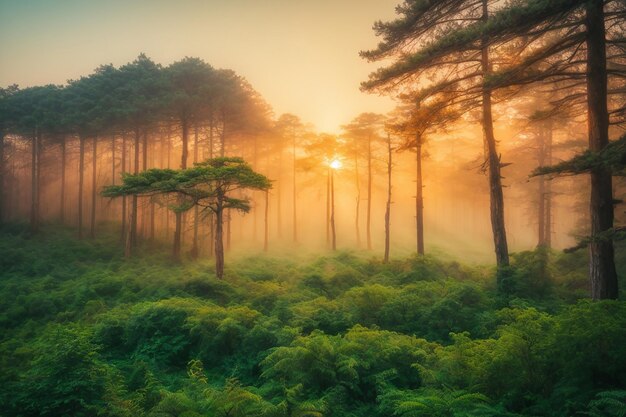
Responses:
[335,164]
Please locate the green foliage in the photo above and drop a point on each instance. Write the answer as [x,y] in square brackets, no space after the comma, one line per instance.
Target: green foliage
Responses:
[86,333]
[608,404]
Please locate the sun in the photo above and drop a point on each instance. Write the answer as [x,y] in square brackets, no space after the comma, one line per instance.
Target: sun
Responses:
[335,164]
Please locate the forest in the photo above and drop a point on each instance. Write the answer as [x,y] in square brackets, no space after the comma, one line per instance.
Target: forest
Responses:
[170,245]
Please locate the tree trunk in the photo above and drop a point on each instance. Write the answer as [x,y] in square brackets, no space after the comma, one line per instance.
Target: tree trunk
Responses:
[134,207]
[219,241]
[177,236]
[332,209]
[34,208]
[124,205]
[279,219]
[267,229]
[495,180]
[144,167]
[81,182]
[548,199]
[113,166]
[419,196]
[178,228]
[228,229]
[541,207]
[388,205]
[358,194]
[2,168]
[94,160]
[255,214]
[62,196]
[602,271]
[113,158]
[211,219]
[328,207]
[196,211]
[295,211]
[369,193]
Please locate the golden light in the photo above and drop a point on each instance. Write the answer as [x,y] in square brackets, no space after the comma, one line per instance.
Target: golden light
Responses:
[335,164]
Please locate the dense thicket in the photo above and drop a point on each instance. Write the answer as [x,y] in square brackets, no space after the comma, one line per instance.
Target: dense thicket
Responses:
[86,332]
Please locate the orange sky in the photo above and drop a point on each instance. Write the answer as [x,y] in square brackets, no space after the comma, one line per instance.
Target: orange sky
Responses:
[302,56]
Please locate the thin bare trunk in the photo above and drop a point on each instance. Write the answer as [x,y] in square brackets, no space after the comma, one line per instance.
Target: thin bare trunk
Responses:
[35,167]
[602,273]
[369,193]
[279,219]
[388,205]
[328,207]
[2,168]
[548,237]
[94,165]
[62,196]
[267,228]
[358,193]
[419,196]
[219,241]
[196,210]
[124,203]
[495,180]
[332,209]
[178,228]
[541,207]
[134,204]
[81,182]
[294,197]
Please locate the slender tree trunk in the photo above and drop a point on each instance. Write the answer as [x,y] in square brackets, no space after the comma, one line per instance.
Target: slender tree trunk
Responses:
[133,219]
[332,209]
[369,193]
[219,241]
[179,216]
[294,197]
[228,229]
[541,207]
[124,203]
[169,165]
[328,207]
[388,205]
[34,209]
[495,180]
[81,182]
[177,235]
[602,271]
[2,168]
[211,219]
[128,246]
[113,166]
[196,210]
[62,196]
[548,199]
[279,219]
[113,158]
[144,167]
[94,165]
[358,194]
[419,196]
[185,143]
[223,136]
[267,228]
[255,163]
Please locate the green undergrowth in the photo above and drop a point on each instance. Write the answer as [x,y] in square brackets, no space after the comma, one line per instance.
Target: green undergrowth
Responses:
[84,332]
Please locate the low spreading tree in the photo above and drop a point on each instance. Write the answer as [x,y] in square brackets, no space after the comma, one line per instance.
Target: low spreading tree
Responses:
[209,185]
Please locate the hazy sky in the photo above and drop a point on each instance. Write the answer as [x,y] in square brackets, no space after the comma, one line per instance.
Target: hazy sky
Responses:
[301,55]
